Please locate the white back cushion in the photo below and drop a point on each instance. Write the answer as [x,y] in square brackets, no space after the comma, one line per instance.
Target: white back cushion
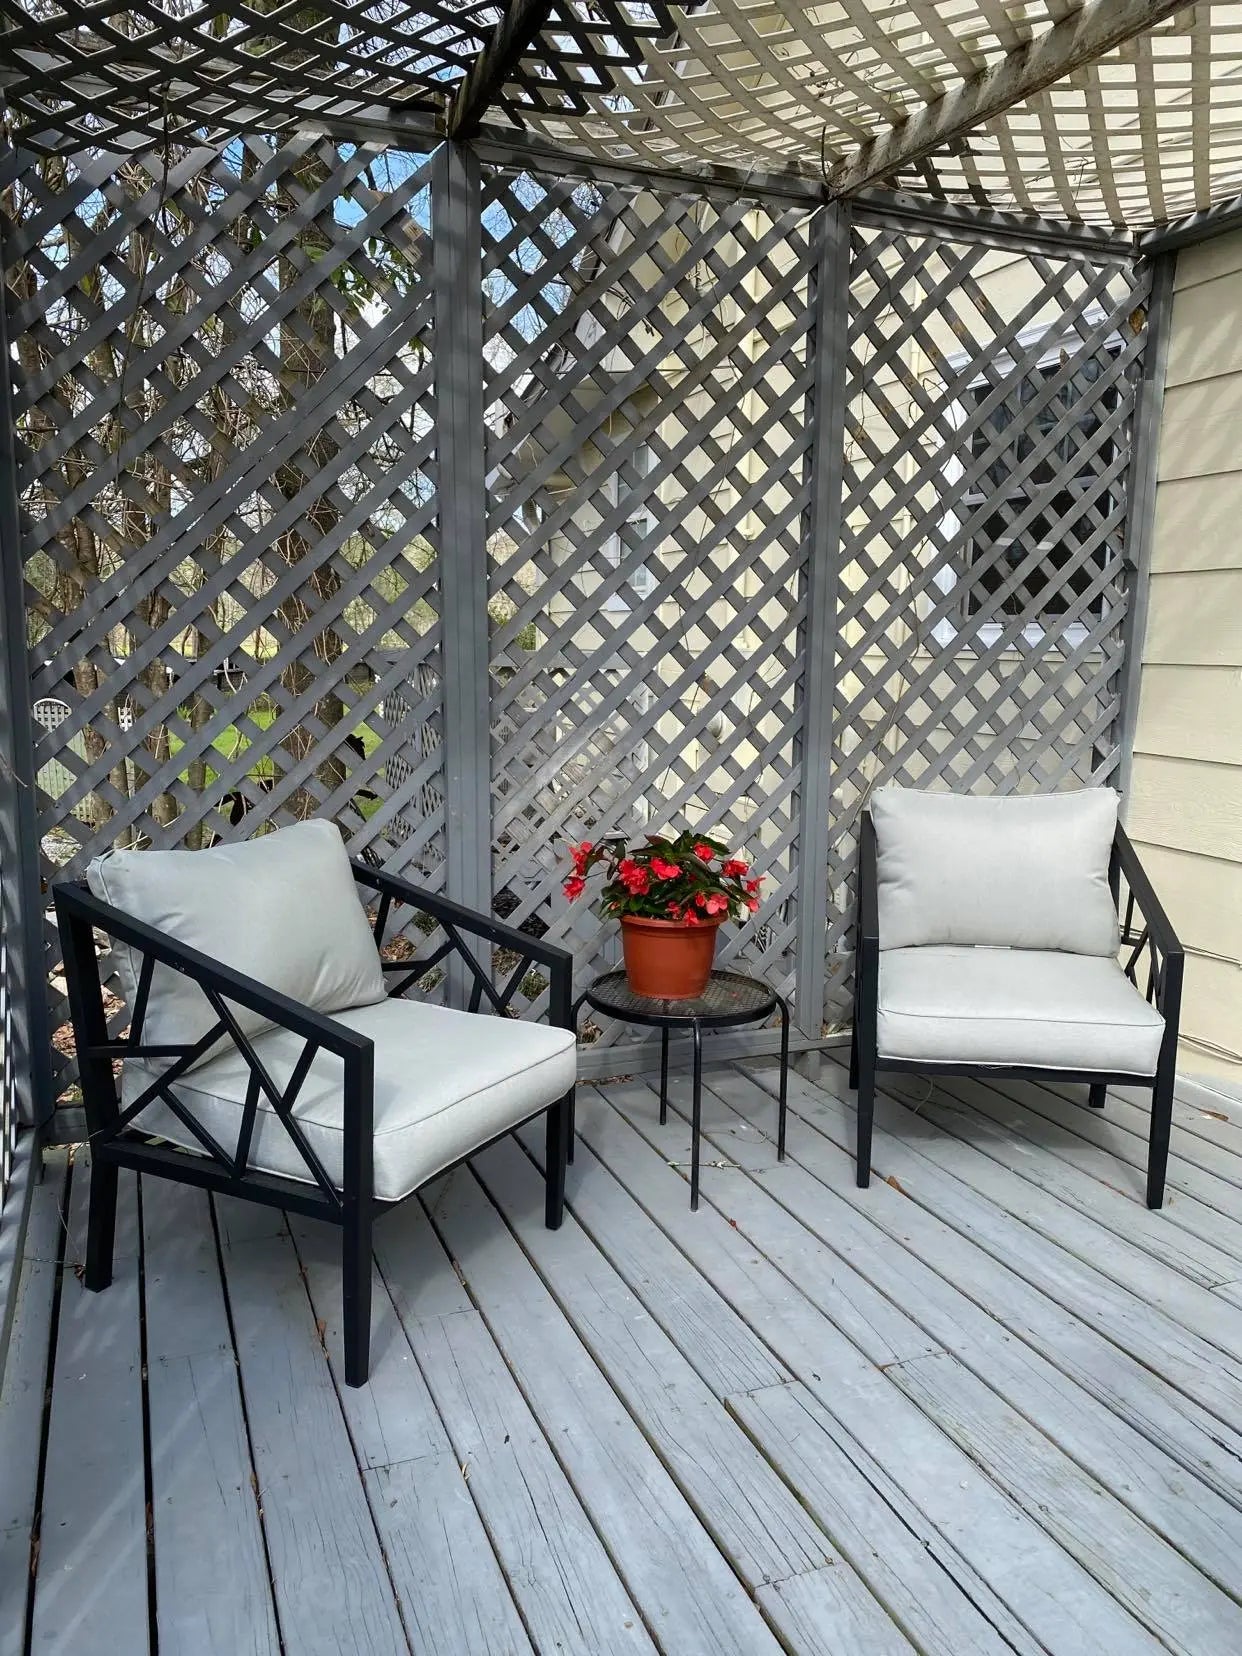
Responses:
[282,908]
[1019,872]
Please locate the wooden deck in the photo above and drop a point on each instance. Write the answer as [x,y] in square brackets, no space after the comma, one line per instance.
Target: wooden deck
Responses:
[990,1405]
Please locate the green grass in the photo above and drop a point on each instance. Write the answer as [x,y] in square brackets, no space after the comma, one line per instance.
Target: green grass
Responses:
[231,743]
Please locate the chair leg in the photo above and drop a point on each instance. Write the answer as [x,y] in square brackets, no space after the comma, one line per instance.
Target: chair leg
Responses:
[854,1054]
[559,1126]
[866,1112]
[356,1293]
[1158,1141]
[1098,1094]
[572,1130]
[101,1225]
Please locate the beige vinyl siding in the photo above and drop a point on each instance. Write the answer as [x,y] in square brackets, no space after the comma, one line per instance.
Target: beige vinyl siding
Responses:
[1185,806]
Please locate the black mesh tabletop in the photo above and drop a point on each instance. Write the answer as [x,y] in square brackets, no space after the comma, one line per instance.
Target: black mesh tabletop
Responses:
[728,998]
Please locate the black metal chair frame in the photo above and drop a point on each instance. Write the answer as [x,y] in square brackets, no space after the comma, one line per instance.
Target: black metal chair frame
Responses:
[1154,938]
[115,1144]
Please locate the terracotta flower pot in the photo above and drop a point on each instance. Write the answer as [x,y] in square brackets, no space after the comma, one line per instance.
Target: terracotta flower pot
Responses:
[666,958]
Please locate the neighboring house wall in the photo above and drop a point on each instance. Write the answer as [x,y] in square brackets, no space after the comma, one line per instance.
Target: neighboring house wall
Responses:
[1185,809]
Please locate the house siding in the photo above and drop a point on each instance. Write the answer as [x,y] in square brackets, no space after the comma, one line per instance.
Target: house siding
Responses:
[1185,805]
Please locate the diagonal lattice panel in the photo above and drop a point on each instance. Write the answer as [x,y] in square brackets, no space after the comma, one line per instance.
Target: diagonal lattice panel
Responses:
[985,584]
[226,411]
[168,70]
[647,376]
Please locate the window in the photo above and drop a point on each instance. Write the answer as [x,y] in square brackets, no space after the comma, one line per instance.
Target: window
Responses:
[1034,467]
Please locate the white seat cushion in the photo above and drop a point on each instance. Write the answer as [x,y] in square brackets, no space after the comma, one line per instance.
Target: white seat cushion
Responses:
[1015,1006]
[445,1083]
[283,909]
[1024,871]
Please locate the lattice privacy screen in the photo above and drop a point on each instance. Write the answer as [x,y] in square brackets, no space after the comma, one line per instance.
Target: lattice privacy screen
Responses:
[647,377]
[985,584]
[244,374]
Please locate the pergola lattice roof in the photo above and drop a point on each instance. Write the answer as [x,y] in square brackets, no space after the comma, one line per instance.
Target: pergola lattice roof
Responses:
[1121,112]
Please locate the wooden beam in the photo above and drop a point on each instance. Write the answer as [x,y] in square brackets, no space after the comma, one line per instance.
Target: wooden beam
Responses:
[522,21]
[1095,28]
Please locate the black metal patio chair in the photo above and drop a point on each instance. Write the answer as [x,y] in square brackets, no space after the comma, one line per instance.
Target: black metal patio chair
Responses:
[988,944]
[273,1055]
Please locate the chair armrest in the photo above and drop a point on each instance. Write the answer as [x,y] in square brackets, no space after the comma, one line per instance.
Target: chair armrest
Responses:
[1156,937]
[866,947]
[456,919]
[868,921]
[77,905]
[1157,921]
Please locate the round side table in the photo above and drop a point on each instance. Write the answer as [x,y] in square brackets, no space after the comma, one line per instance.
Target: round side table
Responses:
[730,998]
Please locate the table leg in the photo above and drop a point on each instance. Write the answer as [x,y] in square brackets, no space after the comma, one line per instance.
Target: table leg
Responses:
[573,1097]
[696,1118]
[663,1075]
[784,1094]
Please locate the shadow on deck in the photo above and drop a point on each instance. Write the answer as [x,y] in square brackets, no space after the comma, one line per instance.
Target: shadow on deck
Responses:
[990,1405]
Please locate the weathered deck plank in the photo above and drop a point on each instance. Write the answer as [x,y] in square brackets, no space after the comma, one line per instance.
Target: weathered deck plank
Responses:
[858,1502]
[1058,1196]
[688,1595]
[452,1591]
[1153,1580]
[22,1396]
[757,1521]
[1162,1278]
[91,1586]
[962,1292]
[211,1583]
[558,1570]
[1070,1141]
[1202,1203]
[973,1409]
[1023,1567]
[333,1593]
[1199,1371]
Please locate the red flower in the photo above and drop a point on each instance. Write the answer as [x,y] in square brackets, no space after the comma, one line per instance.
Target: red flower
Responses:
[579,854]
[673,910]
[633,876]
[735,865]
[716,902]
[574,886]
[700,898]
[692,919]
[752,903]
[664,870]
[753,885]
[704,852]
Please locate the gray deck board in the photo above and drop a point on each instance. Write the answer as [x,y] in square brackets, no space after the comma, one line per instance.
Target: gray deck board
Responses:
[333,1592]
[1003,1543]
[559,1572]
[1140,1403]
[21,1398]
[211,1583]
[687,1593]
[1186,1510]
[1078,1140]
[91,1587]
[1199,1370]
[1060,1196]
[452,1590]
[864,1503]
[1197,1201]
[1163,1278]
[757,1520]
[989,1405]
